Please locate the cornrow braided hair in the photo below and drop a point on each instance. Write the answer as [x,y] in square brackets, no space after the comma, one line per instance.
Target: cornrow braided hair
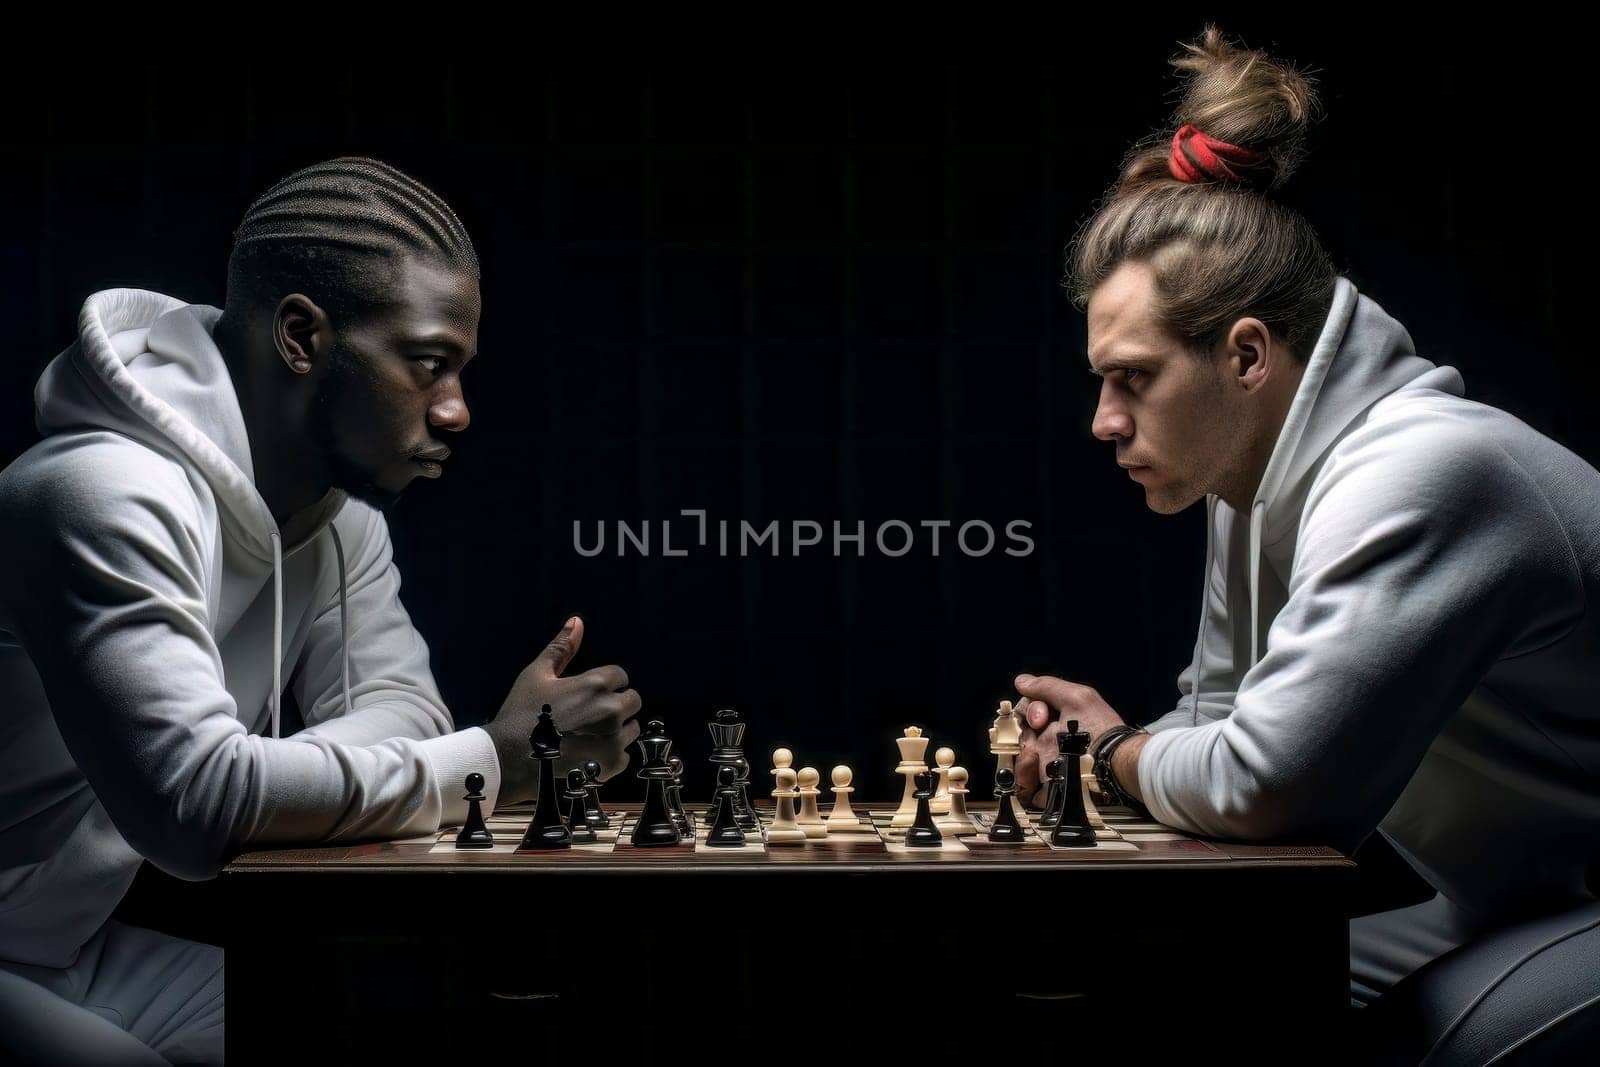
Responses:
[338,230]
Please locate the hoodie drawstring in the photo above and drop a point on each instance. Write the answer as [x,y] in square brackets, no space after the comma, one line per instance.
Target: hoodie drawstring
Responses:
[344,632]
[277,626]
[1205,610]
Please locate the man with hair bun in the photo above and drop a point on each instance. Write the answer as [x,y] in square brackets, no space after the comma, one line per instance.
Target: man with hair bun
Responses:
[1396,632]
[201,523]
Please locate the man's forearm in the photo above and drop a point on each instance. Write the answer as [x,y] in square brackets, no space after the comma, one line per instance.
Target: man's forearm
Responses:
[1125,764]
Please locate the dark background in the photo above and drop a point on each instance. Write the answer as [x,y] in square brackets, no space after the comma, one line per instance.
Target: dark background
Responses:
[822,288]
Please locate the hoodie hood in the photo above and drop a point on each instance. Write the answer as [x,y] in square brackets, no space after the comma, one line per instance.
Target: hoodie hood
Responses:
[1362,355]
[145,366]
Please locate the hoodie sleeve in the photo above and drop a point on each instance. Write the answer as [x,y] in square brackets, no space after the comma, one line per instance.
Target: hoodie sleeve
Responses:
[1212,664]
[1425,554]
[115,619]
[392,690]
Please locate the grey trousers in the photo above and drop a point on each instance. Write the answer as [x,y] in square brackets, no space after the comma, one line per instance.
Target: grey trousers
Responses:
[1436,991]
[134,996]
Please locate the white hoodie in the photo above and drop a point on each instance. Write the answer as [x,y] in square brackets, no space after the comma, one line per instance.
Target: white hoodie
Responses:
[148,612]
[1399,633]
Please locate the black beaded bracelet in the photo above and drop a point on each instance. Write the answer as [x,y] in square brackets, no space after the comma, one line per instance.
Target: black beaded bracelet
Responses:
[1105,747]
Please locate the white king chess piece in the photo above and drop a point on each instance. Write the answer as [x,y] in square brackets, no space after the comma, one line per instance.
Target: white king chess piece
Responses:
[913,746]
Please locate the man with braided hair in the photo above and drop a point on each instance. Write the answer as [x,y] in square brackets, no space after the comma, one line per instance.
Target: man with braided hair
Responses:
[200,522]
[1395,630]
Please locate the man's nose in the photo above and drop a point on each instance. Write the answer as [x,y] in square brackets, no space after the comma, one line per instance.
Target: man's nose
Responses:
[1111,420]
[449,412]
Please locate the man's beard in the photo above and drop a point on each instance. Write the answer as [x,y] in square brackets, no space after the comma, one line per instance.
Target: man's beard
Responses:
[333,395]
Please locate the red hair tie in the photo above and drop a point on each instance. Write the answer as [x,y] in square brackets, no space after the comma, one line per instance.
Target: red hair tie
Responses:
[1198,157]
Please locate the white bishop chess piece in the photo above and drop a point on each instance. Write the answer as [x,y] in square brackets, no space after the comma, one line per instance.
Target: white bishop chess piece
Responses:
[1005,741]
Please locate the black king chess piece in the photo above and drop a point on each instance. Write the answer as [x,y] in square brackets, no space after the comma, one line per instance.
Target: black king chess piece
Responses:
[656,827]
[474,834]
[725,832]
[1053,797]
[922,833]
[577,807]
[598,819]
[1005,829]
[1072,829]
[547,831]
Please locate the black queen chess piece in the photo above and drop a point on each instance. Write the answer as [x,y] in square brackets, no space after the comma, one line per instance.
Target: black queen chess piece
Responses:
[577,809]
[474,834]
[547,830]
[1006,830]
[656,827]
[1072,829]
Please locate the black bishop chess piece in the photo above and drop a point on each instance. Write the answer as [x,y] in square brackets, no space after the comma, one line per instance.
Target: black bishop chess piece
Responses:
[474,834]
[680,814]
[1071,828]
[725,831]
[1006,830]
[598,819]
[922,833]
[1053,797]
[656,827]
[547,830]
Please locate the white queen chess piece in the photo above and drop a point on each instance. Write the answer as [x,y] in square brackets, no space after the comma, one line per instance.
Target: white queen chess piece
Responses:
[913,746]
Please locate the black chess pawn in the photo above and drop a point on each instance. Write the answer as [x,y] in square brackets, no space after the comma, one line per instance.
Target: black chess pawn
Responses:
[595,814]
[1053,798]
[922,833]
[725,832]
[474,834]
[547,830]
[745,812]
[1005,829]
[656,827]
[1072,829]
[577,804]
[680,815]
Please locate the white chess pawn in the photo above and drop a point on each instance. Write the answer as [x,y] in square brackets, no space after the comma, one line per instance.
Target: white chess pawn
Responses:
[810,819]
[784,830]
[842,817]
[939,803]
[781,758]
[1089,784]
[913,746]
[957,821]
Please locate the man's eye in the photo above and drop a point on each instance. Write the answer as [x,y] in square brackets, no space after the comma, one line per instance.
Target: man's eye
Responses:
[1129,374]
[434,363]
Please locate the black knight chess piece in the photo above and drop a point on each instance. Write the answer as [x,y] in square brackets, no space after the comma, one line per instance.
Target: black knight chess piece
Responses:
[474,834]
[922,833]
[1072,829]
[656,827]
[725,832]
[1006,830]
[577,806]
[547,830]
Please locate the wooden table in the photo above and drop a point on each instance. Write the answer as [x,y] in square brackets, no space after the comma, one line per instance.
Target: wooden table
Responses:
[410,948]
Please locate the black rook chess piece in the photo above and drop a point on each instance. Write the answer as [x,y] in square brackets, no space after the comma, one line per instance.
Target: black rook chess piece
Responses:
[474,834]
[725,832]
[922,833]
[1005,829]
[547,830]
[577,805]
[1072,829]
[598,819]
[656,827]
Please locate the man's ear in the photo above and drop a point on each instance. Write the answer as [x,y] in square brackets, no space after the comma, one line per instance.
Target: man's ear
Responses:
[1250,353]
[301,332]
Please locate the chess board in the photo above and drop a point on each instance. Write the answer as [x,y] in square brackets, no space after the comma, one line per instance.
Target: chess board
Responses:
[1125,837]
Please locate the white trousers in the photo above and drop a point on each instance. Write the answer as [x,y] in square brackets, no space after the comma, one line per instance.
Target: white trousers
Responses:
[134,996]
